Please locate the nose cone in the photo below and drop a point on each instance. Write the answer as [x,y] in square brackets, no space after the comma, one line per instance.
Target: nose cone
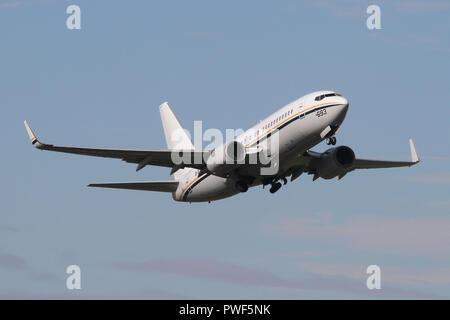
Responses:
[344,105]
[344,102]
[342,111]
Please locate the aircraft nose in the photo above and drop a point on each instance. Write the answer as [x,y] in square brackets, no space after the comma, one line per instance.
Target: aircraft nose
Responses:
[344,103]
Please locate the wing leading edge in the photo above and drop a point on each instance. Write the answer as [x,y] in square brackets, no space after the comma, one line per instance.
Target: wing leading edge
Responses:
[310,163]
[375,164]
[192,159]
[161,186]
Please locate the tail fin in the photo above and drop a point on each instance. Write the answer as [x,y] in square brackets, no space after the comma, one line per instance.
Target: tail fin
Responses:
[176,137]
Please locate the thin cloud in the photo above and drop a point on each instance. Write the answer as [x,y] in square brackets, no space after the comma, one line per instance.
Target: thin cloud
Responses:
[45,277]
[424,236]
[394,275]
[437,178]
[207,269]
[73,295]
[230,273]
[417,6]
[11,261]
[438,158]
[357,8]
[346,9]
[20,3]
[11,4]
[8,229]
[440,204]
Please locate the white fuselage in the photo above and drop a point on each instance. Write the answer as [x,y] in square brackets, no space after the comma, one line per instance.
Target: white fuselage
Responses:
[299,125]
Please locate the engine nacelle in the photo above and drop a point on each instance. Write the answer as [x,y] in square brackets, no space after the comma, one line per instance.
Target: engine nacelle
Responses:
[335,162]
[226,158]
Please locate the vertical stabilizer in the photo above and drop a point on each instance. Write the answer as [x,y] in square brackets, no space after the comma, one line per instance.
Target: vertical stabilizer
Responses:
[176,137]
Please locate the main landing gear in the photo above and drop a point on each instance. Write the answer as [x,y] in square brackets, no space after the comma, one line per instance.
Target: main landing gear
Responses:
[243,182]
[241,186]
[331,140]
[275,183]
[275,187]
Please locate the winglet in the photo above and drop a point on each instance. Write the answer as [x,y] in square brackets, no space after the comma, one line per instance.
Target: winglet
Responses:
[414,156]
[34,140]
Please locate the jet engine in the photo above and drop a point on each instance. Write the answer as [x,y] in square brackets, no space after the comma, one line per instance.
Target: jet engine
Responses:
[334,162]
[226,158]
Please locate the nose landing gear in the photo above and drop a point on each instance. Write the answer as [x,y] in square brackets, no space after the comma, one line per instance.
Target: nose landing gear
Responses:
[331,140]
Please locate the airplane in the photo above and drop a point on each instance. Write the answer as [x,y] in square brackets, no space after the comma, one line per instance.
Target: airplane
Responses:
[207,175]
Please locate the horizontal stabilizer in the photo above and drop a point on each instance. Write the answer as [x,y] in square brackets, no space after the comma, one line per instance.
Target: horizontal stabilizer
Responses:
[161,186]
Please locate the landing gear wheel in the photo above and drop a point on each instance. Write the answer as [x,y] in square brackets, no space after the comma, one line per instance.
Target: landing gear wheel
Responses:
[331,140]
[275,187]
[241,186]
[284,180]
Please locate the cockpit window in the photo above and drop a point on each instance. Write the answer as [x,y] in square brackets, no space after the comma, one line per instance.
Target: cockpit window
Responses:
[318,98]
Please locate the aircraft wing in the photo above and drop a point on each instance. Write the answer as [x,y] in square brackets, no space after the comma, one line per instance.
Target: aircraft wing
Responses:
[162,186]
[308,162]
[190,158]
[374,164]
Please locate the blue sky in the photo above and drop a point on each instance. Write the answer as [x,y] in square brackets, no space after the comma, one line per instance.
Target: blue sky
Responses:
[228,63]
